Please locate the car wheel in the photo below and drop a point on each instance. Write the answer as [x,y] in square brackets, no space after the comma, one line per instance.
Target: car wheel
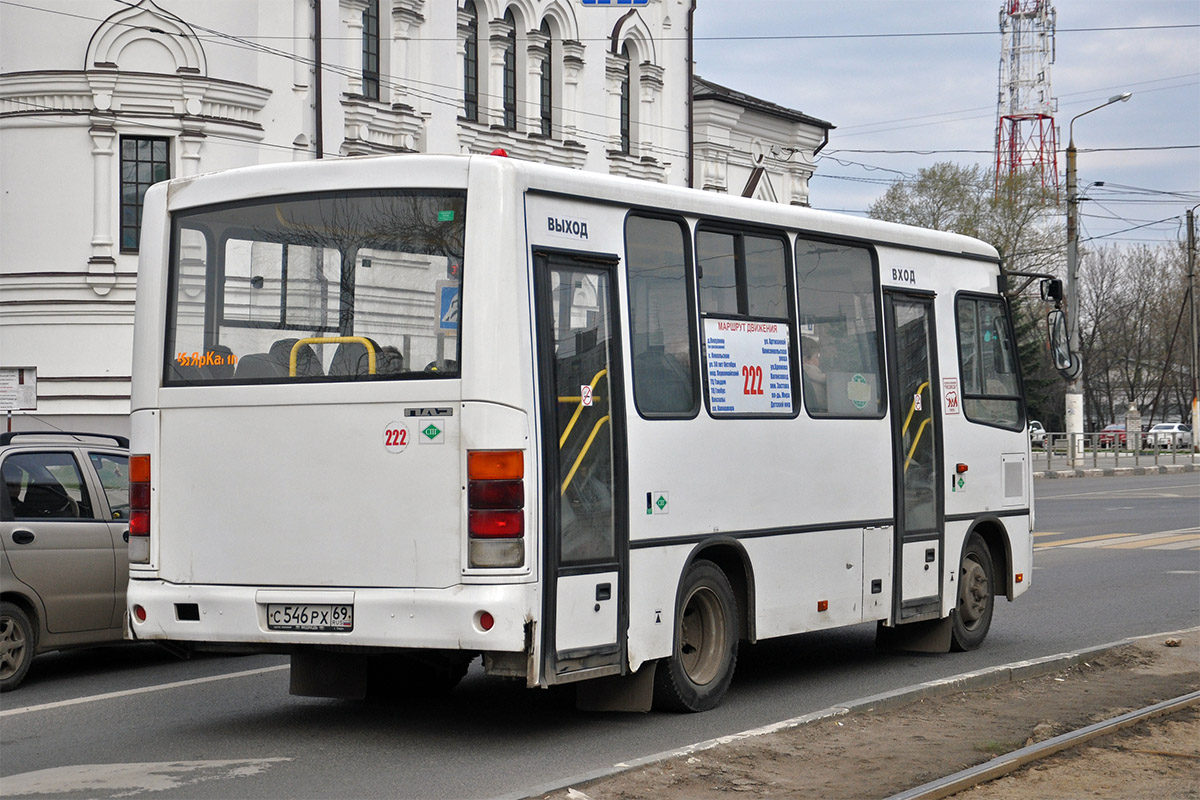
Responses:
[17,642]
[972,615]
[696,676]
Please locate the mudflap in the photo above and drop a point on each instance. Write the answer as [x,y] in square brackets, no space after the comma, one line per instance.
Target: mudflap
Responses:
[318,673]
[931,636]
[618,692]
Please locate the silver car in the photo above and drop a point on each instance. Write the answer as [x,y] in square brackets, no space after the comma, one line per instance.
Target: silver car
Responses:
[1171,434]
[64,524]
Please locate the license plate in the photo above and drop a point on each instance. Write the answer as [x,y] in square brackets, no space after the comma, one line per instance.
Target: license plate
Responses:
[310,617]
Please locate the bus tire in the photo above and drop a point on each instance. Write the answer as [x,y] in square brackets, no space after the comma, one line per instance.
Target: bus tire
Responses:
[697,674]
[972,615]
[17,643]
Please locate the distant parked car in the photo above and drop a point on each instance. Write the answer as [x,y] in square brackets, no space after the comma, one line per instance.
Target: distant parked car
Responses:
[1037,434]
[64,523]
[1112,434]
[1171,434]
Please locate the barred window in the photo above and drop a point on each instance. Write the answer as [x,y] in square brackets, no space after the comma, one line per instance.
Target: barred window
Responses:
[626,118]
[510,72]
[471,64]
[547,84]
[144,161]
[370,50]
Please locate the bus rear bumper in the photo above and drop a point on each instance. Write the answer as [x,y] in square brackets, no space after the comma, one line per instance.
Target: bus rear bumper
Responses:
[442,619]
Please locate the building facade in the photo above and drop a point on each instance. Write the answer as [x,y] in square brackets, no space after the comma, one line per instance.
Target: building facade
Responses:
[100,99]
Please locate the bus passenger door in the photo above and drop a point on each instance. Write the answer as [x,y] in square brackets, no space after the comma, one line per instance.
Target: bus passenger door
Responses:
[917,463]
[585,535]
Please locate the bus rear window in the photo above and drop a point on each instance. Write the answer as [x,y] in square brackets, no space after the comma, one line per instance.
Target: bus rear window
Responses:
[319,288]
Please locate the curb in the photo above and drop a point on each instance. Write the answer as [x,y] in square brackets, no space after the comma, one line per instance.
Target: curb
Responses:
[980,679]
[1109,472]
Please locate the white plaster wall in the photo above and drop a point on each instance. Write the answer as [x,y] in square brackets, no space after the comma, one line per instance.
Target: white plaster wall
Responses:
[59,206]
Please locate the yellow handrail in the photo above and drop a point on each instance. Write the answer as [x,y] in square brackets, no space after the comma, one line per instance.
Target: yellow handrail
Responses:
[916,439]
[583,452]
[913,407]
[579,409]
[332,340]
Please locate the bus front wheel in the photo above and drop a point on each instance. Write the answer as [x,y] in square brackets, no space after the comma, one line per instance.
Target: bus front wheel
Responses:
[976,596]
[698,672]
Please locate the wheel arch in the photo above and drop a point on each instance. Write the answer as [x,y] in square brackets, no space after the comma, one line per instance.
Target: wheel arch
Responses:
[991,529]
[731,558]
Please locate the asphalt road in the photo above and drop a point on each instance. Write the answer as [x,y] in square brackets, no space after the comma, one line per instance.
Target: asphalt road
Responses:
[226,727]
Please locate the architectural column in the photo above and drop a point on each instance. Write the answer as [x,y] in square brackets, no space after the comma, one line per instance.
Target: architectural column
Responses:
[190,141]
[537,51]
[572,67]
[616,67]
[460,57]
[302,21]
[102,265]
[406,24]
[491,107]
[650,132]
[352,27]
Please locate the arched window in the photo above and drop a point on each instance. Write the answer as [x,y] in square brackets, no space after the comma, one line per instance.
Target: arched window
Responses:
[510,72]
[626,122]
[471,64]
[370,50]
[547,84]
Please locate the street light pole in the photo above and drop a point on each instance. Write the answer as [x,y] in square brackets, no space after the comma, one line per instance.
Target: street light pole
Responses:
[1074,404]
[1191,260]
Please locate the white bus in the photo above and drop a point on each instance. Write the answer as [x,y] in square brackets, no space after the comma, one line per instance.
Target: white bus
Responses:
[391,414]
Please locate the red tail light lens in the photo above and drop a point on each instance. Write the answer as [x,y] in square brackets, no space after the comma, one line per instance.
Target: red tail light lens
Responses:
[496,524]
[139,495]
[496,494]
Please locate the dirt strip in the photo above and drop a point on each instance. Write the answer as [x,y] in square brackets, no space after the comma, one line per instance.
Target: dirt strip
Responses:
[877,753]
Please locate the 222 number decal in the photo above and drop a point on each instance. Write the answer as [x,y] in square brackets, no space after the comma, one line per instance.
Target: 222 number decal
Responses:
[395,437]
[752,380]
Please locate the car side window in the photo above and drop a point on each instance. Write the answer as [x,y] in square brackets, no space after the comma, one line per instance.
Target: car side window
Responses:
[45,486]
[113,471]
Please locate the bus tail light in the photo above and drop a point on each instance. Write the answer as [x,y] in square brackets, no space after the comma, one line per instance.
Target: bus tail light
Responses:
[139,509]
[495,508]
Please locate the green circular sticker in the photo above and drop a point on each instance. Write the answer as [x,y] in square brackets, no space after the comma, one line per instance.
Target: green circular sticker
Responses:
[858,391]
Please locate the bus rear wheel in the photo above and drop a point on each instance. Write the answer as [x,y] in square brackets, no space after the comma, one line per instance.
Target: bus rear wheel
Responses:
[699,671]
[976,596]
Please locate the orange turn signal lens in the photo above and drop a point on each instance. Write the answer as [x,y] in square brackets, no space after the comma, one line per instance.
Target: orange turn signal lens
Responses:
[495,465]
[139,469]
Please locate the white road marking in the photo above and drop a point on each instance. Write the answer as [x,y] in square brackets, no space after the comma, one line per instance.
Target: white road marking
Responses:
[75,701]
[126,779]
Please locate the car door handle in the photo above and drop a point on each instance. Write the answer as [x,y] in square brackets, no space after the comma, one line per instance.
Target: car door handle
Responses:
[125,536]
[22,537]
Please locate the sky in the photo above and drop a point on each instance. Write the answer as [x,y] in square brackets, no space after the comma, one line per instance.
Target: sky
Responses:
[902,101]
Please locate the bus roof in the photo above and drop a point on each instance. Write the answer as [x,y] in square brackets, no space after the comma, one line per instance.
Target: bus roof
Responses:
[452,171]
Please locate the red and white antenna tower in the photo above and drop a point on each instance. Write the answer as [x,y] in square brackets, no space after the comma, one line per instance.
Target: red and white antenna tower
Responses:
[1025,134]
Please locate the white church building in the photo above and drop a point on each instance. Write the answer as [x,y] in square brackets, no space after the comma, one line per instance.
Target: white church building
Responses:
[101,98]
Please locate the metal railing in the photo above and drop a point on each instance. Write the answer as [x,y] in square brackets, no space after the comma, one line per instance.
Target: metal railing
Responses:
[1098,449]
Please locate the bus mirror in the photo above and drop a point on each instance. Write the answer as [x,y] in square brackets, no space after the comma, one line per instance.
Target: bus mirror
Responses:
[1052,289]
[1060,345]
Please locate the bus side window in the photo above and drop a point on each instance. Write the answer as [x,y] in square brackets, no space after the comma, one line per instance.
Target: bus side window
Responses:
[987,363]
[840,341]
[660,318]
